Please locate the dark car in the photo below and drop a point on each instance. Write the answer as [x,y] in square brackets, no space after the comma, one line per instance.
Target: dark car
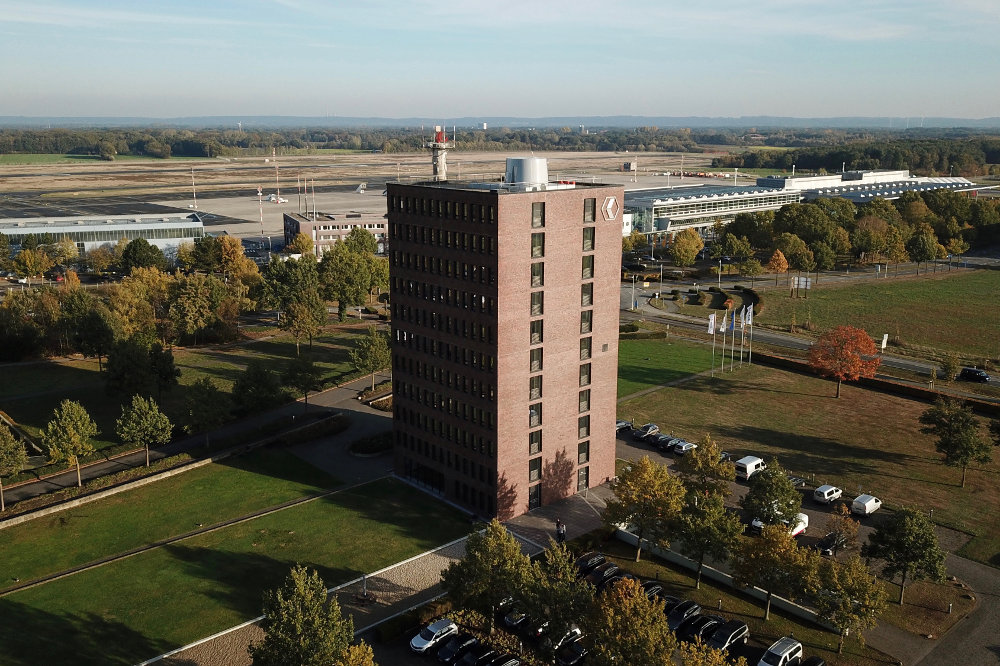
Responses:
[653,589]
[669,602]
[588,562]
[645,431]
[506,660]
[662,442]
[814,661]
[831,543]
[609,582]
[729,634]
[457,646]
[602,573]
[698,626]
[681,612]
[516,620]
[571,653]
[477,656]
[974,375]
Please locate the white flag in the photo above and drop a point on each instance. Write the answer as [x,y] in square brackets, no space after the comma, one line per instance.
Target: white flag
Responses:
[722,328]
[749,315]
[743,317]
[711,323]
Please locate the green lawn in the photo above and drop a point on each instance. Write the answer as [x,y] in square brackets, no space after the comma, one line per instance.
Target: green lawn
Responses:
[953,312]
[60,158]
[645,363]
[865,440]
[176,505]
[173,595]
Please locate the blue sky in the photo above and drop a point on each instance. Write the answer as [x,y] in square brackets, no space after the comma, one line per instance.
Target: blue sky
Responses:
[451,58]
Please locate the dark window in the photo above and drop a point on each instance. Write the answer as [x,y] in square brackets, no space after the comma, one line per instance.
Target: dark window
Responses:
[583,426]
[583,453]
[588,267]
[536,360]
[585,348]
[535,415]
[587,294]
[535,496]
[588,239]
[534,443]
[537,245]
[535,387]
[589,209]
[536,331]
[537,274]
[586,319]
[585,400]
[582,478]
[584,374]
[534,470]
[538,214]
[537,303]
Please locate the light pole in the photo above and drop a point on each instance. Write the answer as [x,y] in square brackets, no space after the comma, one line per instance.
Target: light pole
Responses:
[633,292]
[720,272]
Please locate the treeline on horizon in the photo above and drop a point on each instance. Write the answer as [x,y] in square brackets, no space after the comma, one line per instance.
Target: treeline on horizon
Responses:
[923,151]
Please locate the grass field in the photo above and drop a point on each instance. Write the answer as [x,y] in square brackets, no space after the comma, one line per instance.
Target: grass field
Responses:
[177,505]
[865,440]
[955,313]
[59,158]
[645,363]
[135,608]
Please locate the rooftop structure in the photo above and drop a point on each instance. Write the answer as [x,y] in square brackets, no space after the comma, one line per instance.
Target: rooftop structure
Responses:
[328,229]
[862,186]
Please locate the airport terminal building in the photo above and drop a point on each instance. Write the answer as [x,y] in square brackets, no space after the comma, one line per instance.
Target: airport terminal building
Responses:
[327,229]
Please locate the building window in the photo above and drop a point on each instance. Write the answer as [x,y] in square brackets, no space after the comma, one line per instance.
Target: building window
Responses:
[535,496]
[585,400]
[535,387]
[588,239]
[588,267]
[583,426]
[536,331]
[537,246]
[585,348]
[589,209]
[536,360]
[583,453]
[582,478]
[535,415]
[534,470]
[537,274]
[585,374]
[534,443]
[586,320]
[537,303]
[538,214]
[587,294]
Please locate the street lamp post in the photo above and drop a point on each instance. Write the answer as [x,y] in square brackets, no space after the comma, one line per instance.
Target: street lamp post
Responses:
[633,292]
[720,272]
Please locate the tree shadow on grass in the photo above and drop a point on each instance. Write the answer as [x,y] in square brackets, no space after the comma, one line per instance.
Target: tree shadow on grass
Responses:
[30,637]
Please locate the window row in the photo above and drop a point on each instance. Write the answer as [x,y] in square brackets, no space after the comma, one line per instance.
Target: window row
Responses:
[470,468]
[443,267]
[445,351]
[453,210]
[468,330]
[458,298]
[535,448]
[538,242]
[420,419]
[457,408]
[433,372]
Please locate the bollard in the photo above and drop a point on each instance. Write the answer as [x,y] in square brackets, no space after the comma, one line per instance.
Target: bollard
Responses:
[949,609]
[720,604]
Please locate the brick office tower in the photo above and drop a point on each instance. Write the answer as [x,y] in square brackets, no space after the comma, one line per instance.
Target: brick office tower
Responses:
[505,300]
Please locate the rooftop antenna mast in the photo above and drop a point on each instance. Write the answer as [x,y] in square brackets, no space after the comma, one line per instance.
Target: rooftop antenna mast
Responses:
[194,192]
[277,187]
[439,153]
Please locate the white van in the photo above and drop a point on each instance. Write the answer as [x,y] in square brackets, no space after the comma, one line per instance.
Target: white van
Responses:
[748,466]
[827,493]
[783,652]
[865,505]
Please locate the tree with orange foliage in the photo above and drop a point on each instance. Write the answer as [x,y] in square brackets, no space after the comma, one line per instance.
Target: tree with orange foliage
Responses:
[843,353]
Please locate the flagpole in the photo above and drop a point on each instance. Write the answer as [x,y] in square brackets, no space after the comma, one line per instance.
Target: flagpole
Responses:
[732,349]
[743,330]
[724,317]
[750,355]
[711,325]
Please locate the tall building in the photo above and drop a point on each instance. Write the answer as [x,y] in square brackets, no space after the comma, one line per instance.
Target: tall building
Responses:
[505,300]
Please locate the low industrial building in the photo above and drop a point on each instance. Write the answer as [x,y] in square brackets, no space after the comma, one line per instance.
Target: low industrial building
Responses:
[327,229]
[863,186]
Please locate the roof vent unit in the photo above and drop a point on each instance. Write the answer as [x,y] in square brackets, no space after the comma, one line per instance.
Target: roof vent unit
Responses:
[527,173]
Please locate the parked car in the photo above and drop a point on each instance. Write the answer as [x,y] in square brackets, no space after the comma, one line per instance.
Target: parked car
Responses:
[608,582]
[516,620]
[664,443]
[602,573]
[682,447]
[728,634]
[725,456]
[814,661]
[831,543]
[681,612]
[974,375]
[865,505]
[783,652]
[622,425]
[588,562]
[747,466]
[645,432]
[796,529]
[481,655]
[827,494]
[571,653]
[453,649]
[698,626]
[506,660]
[653,589]
[432,635]
[669,602]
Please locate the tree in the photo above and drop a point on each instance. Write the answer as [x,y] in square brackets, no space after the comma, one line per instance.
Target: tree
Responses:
[750,268]
[164,372]
[625,627]
[492,569]
[844,353]
[302,627]
[96,333]
[196,299]
[700,654]
[305,317]
[634,241]
[6,256]
[554,595]
[841,523]
[950,367]
[142,424]
[648,498]
[67,436]
[685,247]
[777,264]
[775,563]
[13,457]
[922,247]
[185,256]
[345,277]
[100,258]
[257,388]
[62,251]
[30,263]
[139,253]
[129,371]
[204,407]
[850,598]
[304,376]
[371,353]
[958,432]
[301,244]
[706,529]
[207,254]
[772,498]
[908,546]
[704,471]
[379,275]
[361,241]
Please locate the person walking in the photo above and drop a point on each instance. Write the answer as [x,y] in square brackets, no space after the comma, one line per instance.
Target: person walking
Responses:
[560,531]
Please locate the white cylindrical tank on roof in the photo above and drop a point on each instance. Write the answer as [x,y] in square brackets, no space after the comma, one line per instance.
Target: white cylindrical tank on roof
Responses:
[527,171]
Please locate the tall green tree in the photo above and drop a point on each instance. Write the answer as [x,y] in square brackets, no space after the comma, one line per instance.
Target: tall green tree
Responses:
[959,437]
[204,407]
[850,598]
[361,241]
[625,627]
[164,371]
[775,563]
[706,529]
[704,471]
[139,253]
[922,247]
[13,457]
[492,569]
[67,436]
[304,318]
[196,299]
[143,424]
[772,498]
[554,595]
[345,277]
[908,546]
[371,353]
[302,626]
[648,498]
[685,247]
[31,263]
[257,388]
[304,376]
[129,371]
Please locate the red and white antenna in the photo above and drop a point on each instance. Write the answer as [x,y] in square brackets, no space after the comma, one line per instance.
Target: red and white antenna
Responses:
[439,153]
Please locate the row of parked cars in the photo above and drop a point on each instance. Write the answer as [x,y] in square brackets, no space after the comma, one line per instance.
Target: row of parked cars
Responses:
[650,433]
[443,639]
